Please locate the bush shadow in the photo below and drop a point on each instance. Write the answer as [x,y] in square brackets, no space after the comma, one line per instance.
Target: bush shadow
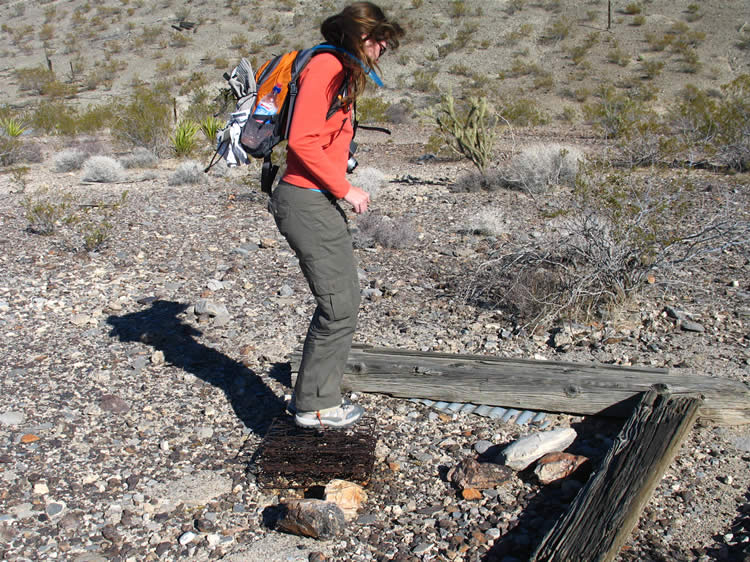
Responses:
[160,327]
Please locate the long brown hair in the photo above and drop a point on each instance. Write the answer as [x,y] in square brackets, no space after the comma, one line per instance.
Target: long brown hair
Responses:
[349,29]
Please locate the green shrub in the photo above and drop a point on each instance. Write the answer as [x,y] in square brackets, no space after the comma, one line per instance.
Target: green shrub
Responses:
[617,56]
[372,110]
[652,68]
[557,30]
[34,79]
[632,9]
[468,130]
[145,119]
[54,118]
[424,81]
[614,114]
[46,211]
[524,113]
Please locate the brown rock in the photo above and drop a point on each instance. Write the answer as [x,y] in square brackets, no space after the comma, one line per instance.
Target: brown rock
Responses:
[471,494]
[347,495]
[556,466]
[312,518]
[267,243]
[114,404]
[471,474]
[29,438]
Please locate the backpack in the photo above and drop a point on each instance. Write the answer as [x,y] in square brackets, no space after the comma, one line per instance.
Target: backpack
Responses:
[245,137]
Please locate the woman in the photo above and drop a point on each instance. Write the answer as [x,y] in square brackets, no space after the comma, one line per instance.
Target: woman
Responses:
[306,210]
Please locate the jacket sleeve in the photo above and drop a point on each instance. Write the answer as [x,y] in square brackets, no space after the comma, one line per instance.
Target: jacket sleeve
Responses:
[317,143]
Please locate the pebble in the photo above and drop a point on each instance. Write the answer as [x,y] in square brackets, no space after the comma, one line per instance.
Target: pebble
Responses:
[12,418]
[187,537]
[691,326]
[55,509]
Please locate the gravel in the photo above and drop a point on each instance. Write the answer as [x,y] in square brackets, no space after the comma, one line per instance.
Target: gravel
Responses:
[145,369]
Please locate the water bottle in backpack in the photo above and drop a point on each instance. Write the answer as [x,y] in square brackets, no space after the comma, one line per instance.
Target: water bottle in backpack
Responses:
[267,106]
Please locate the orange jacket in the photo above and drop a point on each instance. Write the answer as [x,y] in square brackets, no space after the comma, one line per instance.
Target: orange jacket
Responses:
[318,148]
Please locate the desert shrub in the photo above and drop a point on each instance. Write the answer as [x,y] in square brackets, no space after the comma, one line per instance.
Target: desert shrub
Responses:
[189,172]
[617,56]
[372,109]
[424,80]
[34,79]
[468,130]
[389,232]
[69,160]
[646,142]
[539,166]
[140,158]
[144,120]
[557,30]
[102,169]
[369,179]
[652,68]
[184,139]
[659,43]
[524,113]
[10,150]
[614,113]
[638,20]
[46,211]
[720,128]
[399,113]
[601,246]
[513,6]
[632,9]
[489,221]
[473,181]
[96,234]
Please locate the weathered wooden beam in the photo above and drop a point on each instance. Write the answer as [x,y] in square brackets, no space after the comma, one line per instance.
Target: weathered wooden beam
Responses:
[549,386]
[608,507]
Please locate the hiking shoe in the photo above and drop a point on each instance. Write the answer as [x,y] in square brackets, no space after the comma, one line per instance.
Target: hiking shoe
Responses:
[340,416]
[291,406]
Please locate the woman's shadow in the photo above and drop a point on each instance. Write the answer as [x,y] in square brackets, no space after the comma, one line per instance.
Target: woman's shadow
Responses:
[161,328]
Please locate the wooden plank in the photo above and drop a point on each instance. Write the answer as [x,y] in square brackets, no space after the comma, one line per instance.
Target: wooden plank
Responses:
[549,386]
[608,507]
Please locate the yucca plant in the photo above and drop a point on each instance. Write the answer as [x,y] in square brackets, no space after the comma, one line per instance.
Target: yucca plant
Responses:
[183,140]
[12,127]
[210,126]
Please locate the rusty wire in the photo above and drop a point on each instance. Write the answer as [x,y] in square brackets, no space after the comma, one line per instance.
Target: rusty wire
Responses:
[293,457]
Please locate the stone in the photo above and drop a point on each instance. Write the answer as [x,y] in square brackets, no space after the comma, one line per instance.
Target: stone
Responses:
[210,308]
[285,291]
[40,488]
[314,518]
[113,404]
[157,357]
[482,446]
[347,495]
[187,537]
[524,451]
[12,418]
[691,326]
[29,438]
[556,466]
[471,494]
[267,243]
[469,473]
[55,509]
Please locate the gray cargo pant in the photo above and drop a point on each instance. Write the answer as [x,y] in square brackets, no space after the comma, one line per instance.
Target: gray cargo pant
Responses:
[316,229]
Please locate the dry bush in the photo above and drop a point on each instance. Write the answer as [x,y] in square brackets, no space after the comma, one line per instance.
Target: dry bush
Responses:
[69,160]
[187,173]
[369,179]
[102,169]
[471,182]
[489,221]
[140,158]
[602,245]
[389,232]
[539,166]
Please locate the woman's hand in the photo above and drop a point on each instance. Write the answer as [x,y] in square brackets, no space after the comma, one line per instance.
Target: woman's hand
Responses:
[358,199]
